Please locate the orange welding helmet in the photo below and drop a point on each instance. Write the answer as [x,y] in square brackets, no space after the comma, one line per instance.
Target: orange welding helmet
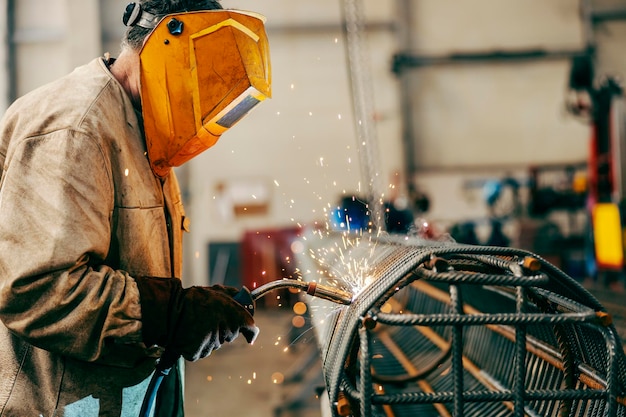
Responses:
[201,72]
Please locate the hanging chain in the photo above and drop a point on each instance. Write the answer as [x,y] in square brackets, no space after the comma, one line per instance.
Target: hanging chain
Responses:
[362,102]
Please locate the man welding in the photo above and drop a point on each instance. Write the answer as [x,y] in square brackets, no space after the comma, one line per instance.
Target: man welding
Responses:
[91,218]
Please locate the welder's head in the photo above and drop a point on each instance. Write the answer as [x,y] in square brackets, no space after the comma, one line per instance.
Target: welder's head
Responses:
[202,69]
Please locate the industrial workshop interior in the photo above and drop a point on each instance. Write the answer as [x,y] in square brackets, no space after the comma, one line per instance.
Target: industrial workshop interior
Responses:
[438,186]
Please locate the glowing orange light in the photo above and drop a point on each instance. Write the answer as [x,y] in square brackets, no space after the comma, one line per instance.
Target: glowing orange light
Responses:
[298,322]
[299,308]
[278,378]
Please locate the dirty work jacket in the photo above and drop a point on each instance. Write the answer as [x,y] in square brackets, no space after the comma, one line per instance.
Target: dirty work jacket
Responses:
[81,214]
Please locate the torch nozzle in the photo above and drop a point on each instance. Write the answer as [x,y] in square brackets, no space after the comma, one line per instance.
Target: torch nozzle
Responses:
[333,294]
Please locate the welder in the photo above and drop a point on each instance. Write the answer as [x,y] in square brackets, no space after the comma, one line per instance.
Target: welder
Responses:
[91,217]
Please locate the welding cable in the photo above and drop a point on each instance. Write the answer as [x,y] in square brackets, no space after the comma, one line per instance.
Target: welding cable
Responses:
[163,368]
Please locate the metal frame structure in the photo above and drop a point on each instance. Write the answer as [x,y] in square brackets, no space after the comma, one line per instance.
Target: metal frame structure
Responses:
[457,330]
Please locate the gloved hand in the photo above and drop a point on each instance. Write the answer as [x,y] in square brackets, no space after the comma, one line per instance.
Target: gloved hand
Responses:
[194,321]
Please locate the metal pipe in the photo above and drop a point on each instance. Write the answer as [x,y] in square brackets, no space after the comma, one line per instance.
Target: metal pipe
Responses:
[333,294]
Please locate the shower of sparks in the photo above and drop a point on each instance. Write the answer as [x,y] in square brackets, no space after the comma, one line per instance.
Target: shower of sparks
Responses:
[345,261]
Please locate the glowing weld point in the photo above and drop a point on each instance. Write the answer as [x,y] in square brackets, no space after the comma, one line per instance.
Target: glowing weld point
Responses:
[126,172]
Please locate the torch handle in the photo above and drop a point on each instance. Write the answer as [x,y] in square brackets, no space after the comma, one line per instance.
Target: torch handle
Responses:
[245,298]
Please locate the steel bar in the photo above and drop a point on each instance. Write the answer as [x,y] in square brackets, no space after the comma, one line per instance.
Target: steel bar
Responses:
[466,331]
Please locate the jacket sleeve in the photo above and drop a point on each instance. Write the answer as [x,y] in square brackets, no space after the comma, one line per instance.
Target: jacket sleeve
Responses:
[56,203]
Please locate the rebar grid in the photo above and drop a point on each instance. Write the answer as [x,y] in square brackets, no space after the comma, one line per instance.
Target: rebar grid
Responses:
[456,330]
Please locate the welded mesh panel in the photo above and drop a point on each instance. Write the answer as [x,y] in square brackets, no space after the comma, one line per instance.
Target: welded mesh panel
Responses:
[454,330]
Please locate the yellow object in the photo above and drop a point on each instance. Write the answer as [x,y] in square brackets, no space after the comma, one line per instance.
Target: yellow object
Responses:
[607,236]
[201,72]
[579,183]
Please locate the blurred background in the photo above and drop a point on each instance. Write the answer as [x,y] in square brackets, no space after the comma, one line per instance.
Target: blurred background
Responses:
[492,122]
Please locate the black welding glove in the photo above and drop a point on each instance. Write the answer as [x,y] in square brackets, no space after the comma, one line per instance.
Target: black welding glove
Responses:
[194,321]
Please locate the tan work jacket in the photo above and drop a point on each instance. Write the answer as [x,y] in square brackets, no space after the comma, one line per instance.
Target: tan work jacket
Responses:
[81,214]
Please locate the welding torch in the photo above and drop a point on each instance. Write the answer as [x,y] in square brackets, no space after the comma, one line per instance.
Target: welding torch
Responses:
[247,299]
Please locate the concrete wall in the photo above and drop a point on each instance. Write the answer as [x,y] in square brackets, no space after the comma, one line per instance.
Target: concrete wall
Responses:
[473,121]
[52,37]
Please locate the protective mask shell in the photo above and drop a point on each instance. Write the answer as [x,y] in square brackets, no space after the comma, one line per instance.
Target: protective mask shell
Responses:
[200,79]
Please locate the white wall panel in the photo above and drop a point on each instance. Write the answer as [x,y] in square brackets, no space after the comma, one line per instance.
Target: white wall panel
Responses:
[111,12]
[446,26]
[40,30]
[611,40]
[306,12]
[52,37]
[494,114]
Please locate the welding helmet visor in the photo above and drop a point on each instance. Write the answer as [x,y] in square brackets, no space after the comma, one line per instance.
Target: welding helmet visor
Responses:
[201,72]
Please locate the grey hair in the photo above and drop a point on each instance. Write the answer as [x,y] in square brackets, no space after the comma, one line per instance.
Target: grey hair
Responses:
[135,35]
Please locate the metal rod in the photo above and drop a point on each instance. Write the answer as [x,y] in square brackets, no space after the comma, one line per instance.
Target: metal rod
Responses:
[333,294]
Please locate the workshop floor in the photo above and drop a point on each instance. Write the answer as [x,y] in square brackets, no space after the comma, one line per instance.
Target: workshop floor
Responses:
[248,381]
